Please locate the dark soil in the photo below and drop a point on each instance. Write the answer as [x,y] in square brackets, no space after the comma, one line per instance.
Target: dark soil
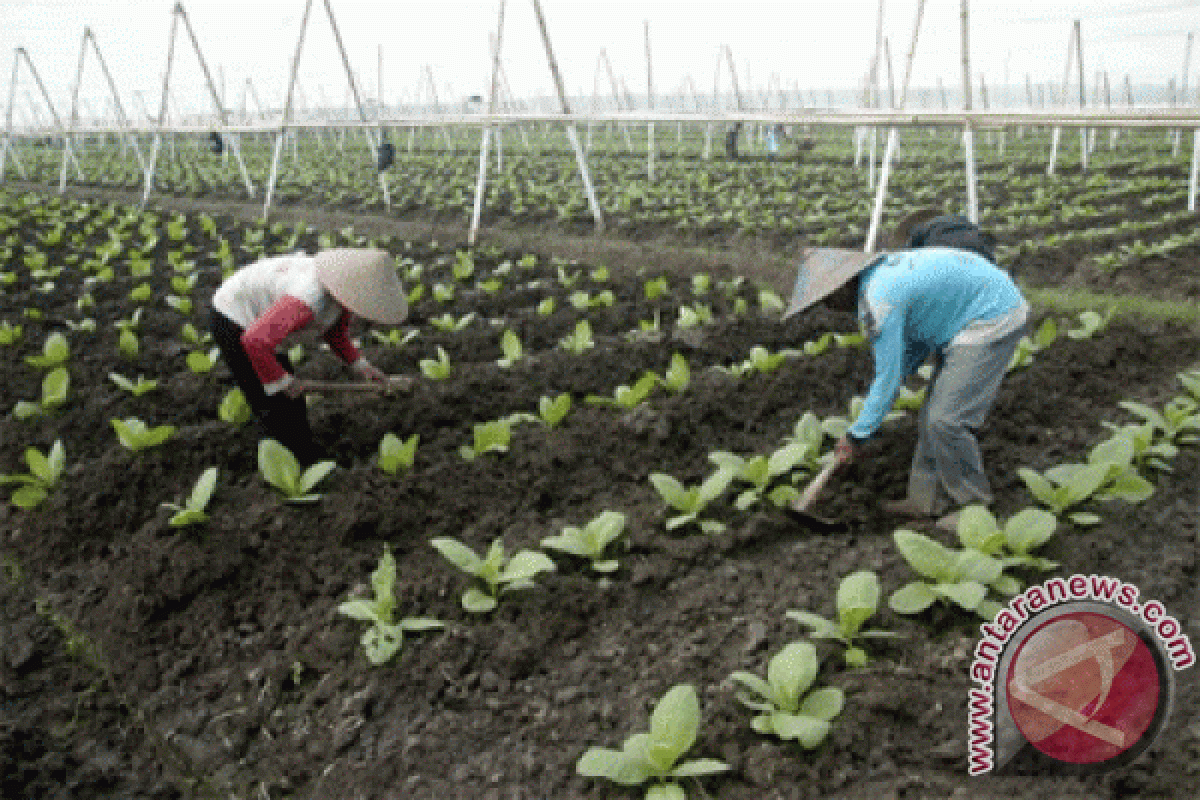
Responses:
[211,662]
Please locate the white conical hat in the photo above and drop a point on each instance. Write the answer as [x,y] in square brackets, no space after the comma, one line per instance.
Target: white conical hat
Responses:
[364,281]
[824,270]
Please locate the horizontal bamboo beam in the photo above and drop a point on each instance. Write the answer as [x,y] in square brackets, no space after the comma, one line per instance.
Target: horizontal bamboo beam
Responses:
[979,119]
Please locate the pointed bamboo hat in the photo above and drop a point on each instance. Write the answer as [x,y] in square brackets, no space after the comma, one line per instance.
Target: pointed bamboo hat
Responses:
[824,270]
[364,281]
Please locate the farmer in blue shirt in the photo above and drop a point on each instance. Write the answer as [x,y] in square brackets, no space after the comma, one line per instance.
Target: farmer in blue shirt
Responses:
[946,302]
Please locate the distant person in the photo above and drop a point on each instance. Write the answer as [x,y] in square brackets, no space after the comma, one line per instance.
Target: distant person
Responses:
[731,141]
[263,303]
[774,134]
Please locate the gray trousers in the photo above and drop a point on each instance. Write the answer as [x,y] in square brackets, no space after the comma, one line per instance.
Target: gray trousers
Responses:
[947,468]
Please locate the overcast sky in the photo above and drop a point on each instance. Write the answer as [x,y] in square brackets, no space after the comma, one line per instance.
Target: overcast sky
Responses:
[791,42]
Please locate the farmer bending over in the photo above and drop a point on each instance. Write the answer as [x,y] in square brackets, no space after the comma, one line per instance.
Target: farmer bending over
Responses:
[262,303]
[930,300]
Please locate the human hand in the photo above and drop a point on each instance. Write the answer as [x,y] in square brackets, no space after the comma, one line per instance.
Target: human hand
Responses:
[845,451]
[369,372]
[295,389]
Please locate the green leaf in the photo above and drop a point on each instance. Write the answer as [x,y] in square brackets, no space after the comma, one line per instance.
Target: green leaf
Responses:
[929,558]
[790,672]
[1028,529]
[1083,518]
[418,624]
[459,555]
[666,791]
[760,688]
[28,497]
[360,610]
[476,602]
[315,474]
[673,726]
[614,765]
[526,564]
[383,578]
[820,628]
[699,767]
[967,594]
[857,600]
[202,491]
[824,703]
[279,467]
[913,598]
[809,731]
[1041,488]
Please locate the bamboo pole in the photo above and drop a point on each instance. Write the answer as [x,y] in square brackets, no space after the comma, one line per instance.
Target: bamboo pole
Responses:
[649,105]
[566,109]
[286,116]
[893,139]
[1057,132]
[481,178]
[968,132]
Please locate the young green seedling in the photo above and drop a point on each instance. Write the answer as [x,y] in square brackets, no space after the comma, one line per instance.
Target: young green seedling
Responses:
[443,293]
[591,540]
[857,602]
[488,437]
[654,756]
[281,469]
[691,501]
[395,337]
[395,454]
[1027,346]
[127,344]
[141,293]
[1176,424]
[760,471]
[1090,323]
[54,394]
[135,388]
[200,362]
[181,304]
[233,409]
[136,436]
[628,397]
[1122,481]
[45,469]
[193,511]
[510,346]
[958,576]
[546,307]
[701,283]
[653,289]
[384,638]
[678,374]
[436,370]
[1024,531]
[497,573]
[580,340]
[448,323]
[9,333]
[55,352]
[786,707]
[694,317]
[553,411]
[194,337]
[464,266]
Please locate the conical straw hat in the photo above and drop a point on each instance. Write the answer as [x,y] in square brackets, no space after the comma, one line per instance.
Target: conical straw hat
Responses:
[824,270]
[900,236]
[364,281]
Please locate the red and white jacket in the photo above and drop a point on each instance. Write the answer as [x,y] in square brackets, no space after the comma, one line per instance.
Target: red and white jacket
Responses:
[272,299]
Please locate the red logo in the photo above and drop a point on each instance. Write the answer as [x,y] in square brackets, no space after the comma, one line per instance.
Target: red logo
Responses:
[1083,688]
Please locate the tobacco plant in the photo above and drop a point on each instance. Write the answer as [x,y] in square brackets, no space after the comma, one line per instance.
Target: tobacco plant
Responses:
[488,437]
[54,394]
[396,454]
[496,573]
[55,352]
[193,511]
[591,540]
[958,576]
[233,408]
[280,469]
[580,340]
[759,471]
[691,501]
[135,435]
[857,601]
[384,638]
[510,346]
[786,707]
[436,369]
[136,388]
[1013,543]
[628,397]
[45,470]
[654,755]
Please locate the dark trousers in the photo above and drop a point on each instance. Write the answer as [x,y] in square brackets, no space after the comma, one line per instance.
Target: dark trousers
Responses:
[285,418]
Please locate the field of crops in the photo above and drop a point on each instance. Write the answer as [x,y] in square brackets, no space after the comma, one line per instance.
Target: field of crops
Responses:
[205,651]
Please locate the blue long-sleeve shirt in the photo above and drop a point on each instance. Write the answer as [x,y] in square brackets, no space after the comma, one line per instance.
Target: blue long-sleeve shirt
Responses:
[916,302]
